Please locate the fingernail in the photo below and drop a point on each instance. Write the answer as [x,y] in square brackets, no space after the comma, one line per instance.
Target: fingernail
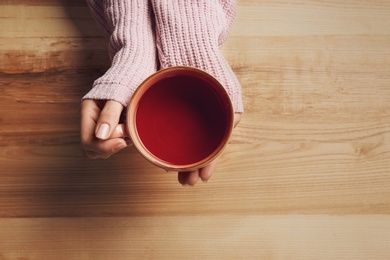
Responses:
[119,130]
[119,147]
[102,131]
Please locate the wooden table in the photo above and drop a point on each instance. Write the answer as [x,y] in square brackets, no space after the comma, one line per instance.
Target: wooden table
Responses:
[306,174]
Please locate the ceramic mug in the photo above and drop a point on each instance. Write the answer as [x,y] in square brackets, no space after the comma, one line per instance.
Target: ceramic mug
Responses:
[180,118]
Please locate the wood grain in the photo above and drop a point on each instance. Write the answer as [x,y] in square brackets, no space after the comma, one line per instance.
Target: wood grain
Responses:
[248,237]
[306,174]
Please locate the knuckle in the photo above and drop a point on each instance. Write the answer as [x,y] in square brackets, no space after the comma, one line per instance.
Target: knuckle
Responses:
[105,157]
[91,155]
[111,111]
[87,145]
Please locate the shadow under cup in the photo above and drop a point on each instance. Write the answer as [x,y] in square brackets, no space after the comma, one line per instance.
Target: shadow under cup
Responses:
[180,118]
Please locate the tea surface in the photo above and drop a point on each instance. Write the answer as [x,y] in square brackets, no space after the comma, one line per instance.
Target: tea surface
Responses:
[181,120]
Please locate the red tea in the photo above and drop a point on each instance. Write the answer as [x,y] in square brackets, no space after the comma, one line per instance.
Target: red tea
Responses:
[181,120]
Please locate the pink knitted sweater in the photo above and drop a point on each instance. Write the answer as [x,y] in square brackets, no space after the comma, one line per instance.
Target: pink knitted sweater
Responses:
[147,35]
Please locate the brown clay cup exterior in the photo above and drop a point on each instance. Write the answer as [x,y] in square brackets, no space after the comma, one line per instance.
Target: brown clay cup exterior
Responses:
[215,87]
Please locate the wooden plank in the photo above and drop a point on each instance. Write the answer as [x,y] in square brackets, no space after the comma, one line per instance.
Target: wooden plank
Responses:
[218,237]
[51,55]
[42,21]
[306,76]
[293,18]
[44,2]
[269,178]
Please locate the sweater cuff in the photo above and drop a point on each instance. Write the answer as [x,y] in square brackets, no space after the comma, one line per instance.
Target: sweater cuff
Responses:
[106,90]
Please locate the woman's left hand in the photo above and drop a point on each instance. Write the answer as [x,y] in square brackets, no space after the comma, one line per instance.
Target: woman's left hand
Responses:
[205,173]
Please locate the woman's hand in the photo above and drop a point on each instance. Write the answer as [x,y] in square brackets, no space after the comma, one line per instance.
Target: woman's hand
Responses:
[99,123]
[205,173]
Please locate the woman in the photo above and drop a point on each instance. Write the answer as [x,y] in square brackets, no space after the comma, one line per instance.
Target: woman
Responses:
[144,36]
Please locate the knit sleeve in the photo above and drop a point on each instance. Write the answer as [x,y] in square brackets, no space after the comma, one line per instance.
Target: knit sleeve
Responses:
[132,50]
[190,33]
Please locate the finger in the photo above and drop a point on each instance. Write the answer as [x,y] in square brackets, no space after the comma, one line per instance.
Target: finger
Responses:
[92,155]
[193,178]
[109,147]
[119,131]
[104,149]
[108,119]
[190,178]
[89,114]
[129,142]
[206,172]
[182,177]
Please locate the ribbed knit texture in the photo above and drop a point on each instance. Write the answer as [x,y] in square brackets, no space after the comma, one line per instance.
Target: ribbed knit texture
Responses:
[132,47]
[185,33]
[191,32]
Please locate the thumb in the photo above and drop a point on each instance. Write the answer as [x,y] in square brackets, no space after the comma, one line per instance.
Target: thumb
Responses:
[108,119]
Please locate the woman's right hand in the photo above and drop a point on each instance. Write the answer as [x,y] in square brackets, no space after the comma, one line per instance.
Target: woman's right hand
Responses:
[99,126]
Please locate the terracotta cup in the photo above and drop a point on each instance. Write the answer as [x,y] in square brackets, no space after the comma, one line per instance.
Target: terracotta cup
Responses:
[180,118]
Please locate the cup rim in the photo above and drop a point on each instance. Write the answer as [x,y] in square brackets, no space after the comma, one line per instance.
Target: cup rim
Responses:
[132,111]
